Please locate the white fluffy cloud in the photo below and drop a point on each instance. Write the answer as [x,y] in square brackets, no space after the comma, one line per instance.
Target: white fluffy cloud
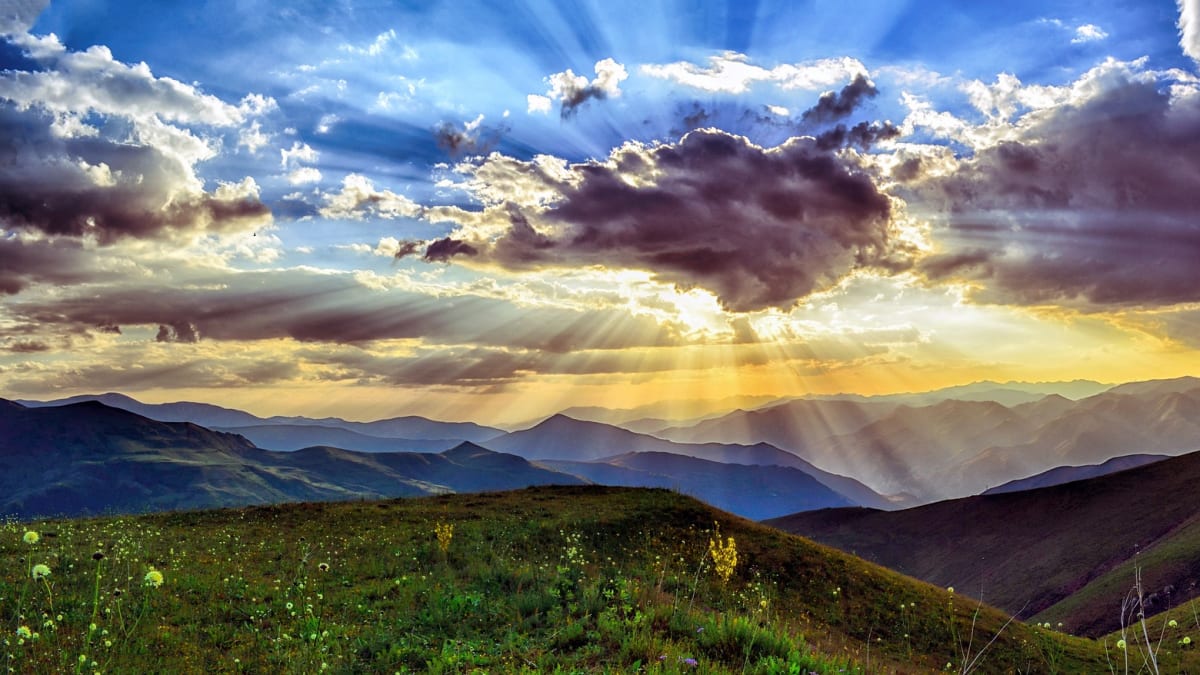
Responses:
[359,199]
[572,91]
[1189,27]
[732,73]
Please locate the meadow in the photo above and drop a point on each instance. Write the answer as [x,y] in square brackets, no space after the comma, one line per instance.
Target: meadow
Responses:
[557,579]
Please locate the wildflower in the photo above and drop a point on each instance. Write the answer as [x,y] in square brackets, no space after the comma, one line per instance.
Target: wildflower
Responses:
[1121,645]
[950,589]
[24,632]
[97,556]
[445,533]
[31,537]
[1186,640]
[40,571]
[324,567]
[154,578]
[724,555]
[1173,624]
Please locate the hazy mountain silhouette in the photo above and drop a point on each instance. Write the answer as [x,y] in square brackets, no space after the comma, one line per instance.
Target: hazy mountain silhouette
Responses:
[91,458]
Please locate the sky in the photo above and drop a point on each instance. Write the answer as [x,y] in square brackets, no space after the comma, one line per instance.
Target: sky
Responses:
[493,211]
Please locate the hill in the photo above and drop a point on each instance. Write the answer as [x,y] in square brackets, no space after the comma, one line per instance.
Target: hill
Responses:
[566,439]
[581,579]
[1065,552]
[287,437]
[90,458]
[754,492]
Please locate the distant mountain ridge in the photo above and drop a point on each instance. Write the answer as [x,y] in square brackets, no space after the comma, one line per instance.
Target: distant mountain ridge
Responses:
[955,447]
[208,415]
[752,491]
[563,438]
[90,458]
[1068,474]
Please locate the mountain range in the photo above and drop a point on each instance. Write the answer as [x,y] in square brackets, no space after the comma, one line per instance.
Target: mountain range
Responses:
[88,458]
[956,448]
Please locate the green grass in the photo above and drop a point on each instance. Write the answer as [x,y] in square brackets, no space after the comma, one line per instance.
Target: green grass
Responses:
[581,579]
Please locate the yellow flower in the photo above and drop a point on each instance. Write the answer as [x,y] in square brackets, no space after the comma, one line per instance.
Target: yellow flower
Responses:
[724,555]
[31,537]
[1121,645]
[445,533]
[40,571]
[1173,623]
[24,632]
[154,578]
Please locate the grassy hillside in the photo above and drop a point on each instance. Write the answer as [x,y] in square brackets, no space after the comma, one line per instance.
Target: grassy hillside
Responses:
[568,579]
[1064,552]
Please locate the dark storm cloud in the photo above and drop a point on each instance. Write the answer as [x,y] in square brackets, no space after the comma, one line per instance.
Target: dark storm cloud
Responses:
[179,331]
[1096,204]
[759,228]
[106,189]
[446,248]
[573,97]
[833,106]
[331,309]
[863,135]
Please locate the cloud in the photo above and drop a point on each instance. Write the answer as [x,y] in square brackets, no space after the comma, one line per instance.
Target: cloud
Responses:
[1189,28]
[252,138]
[359,199]
[1091,202]
[833,106]
[572,91]
[536,103]
[90,146]
[299,152]
[376,47]
[471,139]
[863,135]
[304,175]
[18,16]
[25,262]
[317,307]
[108,190]
[757,227]
[1088,32]
[732,73]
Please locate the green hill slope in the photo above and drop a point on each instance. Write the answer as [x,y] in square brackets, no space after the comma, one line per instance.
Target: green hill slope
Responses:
[559,579]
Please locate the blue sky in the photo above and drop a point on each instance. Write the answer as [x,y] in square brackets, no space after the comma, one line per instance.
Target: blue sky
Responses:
[799,196]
